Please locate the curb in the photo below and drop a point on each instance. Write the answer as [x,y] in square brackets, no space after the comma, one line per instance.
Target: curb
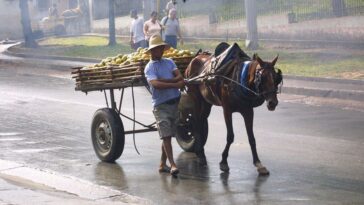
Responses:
[80,188]
[320,79]
[50,57]
[340,94]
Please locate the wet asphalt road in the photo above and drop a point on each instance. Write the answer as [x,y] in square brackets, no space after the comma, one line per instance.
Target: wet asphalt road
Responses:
[314,153]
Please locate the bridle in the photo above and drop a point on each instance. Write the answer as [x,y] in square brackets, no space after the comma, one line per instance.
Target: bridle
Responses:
[278,81]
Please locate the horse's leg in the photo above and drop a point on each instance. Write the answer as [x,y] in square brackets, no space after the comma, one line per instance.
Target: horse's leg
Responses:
[200,142]
[229,139]
[248,114]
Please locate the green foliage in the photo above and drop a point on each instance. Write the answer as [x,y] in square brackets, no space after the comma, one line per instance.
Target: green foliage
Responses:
[83,46]
[234,9]
[303,62]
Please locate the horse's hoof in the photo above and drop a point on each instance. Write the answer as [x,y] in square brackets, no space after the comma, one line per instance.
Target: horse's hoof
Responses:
[224,167]
[263,171]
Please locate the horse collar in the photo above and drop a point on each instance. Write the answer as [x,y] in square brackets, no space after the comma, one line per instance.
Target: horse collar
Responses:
[244,75]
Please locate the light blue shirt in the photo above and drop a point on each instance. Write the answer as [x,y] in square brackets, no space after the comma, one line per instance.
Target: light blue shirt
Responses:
[162,69]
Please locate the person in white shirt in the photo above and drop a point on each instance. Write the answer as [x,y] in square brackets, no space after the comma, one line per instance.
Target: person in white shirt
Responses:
[136,31]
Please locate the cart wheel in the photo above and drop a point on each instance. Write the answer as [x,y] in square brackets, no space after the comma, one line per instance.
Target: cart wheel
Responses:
[107,134]
[191,130]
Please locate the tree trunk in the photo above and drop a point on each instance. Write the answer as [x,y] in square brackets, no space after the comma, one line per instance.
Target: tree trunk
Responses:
[112,39]
[339,8]
[29,40]
[251,41]
[86,15]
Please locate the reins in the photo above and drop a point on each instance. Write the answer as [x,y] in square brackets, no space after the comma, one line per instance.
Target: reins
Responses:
[207,76]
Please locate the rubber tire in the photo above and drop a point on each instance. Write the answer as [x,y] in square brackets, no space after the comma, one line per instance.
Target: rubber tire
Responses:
[190,125]
[117,134]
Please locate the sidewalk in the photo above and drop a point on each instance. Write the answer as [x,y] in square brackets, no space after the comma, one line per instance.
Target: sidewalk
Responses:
[296,85]
[23,185]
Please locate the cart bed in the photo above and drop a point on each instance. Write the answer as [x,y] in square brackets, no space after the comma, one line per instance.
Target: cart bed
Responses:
[116,76]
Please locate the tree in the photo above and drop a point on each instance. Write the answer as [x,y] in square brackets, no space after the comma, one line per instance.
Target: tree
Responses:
[339,8]
[112,39]
[251,41]
[29,40]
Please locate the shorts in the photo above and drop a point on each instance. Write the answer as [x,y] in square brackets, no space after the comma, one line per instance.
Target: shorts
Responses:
[167,117]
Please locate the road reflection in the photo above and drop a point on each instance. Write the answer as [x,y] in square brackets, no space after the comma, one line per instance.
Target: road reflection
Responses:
[111,174]
[190,167]
[230,187]
[259,181]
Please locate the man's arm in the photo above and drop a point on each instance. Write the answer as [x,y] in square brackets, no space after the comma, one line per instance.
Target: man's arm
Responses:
[131,39]
[176,82]
[145,29]
[179,33]
[177,77]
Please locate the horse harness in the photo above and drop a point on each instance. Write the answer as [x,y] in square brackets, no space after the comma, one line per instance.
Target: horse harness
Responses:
[237,87]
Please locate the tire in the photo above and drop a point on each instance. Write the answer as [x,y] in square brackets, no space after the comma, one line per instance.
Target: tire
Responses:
[107,135]
[59,30]
[191,130]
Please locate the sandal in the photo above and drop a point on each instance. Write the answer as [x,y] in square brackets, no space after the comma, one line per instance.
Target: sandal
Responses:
[174,172]
[165,169]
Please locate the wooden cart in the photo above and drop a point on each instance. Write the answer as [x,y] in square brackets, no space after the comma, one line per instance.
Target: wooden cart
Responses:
[107,130]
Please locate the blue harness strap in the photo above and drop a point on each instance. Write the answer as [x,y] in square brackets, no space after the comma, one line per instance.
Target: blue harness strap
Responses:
[244,75]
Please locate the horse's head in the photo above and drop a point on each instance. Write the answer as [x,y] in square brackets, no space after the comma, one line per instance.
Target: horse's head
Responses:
[267,80]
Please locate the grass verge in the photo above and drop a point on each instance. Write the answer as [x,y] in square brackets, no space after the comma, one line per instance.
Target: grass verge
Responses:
[311,62]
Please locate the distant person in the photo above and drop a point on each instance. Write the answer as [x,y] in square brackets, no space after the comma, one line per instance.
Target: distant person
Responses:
[172,4]
[53,11]
[171,29]
[152,27]
[136,31]
[164,80]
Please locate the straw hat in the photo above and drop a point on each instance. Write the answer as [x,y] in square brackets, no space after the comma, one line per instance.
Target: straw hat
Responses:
[155,41]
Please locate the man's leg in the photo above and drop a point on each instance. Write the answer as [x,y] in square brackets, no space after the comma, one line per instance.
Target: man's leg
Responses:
[163,159]
[169,152]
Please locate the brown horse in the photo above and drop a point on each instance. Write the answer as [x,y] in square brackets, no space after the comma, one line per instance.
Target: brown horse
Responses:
[238,86]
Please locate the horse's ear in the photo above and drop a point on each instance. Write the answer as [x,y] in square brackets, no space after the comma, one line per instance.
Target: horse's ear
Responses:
[257,58]
[275,60]
[255,55]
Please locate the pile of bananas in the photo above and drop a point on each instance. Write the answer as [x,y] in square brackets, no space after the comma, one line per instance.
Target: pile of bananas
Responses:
[140,56]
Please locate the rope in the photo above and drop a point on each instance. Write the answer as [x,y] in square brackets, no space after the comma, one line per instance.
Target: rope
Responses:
[224,77]
[132,94]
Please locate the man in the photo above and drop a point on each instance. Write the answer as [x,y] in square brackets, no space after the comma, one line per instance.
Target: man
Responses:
[164,80]
[136,31]
[53,11]
[171,5]
[171,29]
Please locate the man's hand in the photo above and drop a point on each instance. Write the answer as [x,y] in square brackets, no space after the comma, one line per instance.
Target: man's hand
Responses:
[181,83]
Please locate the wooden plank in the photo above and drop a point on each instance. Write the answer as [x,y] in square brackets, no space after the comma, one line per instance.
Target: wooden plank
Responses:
[113,85]
[128,78]
[126,69]
[126,74]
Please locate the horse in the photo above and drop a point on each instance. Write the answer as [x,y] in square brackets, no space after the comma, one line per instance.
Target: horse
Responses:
[238,83]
